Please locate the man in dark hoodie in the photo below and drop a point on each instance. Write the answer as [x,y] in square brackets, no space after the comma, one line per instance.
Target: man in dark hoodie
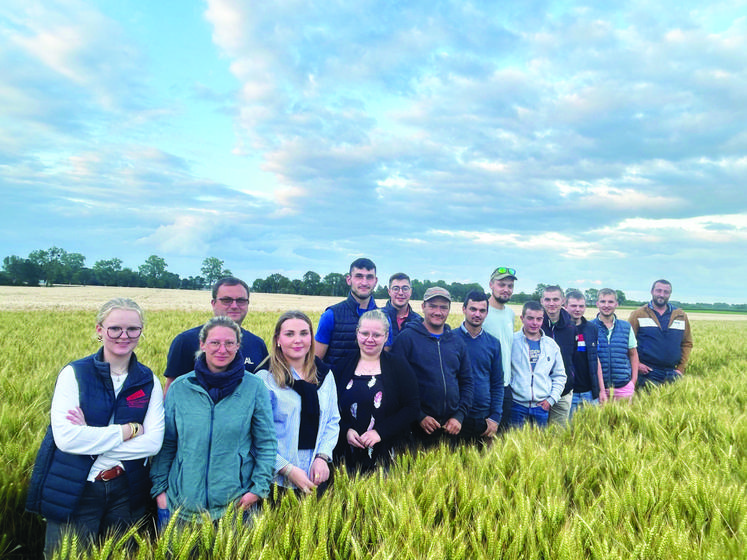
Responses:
[439,358]
[559,326]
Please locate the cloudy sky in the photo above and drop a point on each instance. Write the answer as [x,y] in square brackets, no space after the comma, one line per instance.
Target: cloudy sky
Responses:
[586,146]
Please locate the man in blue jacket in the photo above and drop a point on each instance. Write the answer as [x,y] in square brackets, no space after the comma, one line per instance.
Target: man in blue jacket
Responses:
[588,384]
[439,358]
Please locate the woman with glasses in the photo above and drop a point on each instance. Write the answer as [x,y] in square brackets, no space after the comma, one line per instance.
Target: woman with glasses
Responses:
[220,445]
[304,406]
[91,474]
[378,397]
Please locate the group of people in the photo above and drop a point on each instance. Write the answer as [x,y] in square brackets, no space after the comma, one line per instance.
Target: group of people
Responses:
[369,384]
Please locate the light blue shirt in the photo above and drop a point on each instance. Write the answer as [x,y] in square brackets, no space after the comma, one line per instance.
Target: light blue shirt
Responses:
[286,413]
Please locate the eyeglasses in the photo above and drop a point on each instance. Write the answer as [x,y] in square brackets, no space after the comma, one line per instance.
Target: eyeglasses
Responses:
[215,345]
[365,335]
[504,270]
[116,332]
[403,289]
[228,301]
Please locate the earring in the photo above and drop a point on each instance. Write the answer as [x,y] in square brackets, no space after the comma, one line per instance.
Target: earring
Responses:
[99,338]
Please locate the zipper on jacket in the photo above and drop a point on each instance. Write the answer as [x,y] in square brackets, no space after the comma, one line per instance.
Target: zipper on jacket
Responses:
[210,448]
[443,375]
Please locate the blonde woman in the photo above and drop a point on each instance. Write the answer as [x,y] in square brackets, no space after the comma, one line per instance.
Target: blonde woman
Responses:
[91,473]
[304,405]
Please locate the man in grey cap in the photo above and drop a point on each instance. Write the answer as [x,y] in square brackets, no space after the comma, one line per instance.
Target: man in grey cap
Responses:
[439,358]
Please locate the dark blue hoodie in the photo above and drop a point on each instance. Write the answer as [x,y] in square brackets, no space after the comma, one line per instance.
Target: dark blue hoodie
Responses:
[442,368]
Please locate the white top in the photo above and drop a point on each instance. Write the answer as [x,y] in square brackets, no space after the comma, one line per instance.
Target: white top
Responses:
[286,411]
[104,441]
[500,323]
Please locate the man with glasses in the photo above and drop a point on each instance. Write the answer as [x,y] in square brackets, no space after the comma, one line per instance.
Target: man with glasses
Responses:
[439,358]
[335,336]
[230,299]
[500,323]
[398,308]
[664,337]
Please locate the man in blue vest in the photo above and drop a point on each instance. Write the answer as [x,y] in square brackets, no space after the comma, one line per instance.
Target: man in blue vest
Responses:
[230,299]
[616,349]
[664,337]
[335,336]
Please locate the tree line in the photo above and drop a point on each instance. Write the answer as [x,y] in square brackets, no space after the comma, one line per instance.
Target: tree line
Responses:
[57,266]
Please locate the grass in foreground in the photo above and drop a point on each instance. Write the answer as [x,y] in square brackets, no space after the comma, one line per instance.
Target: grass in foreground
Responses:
[663,478]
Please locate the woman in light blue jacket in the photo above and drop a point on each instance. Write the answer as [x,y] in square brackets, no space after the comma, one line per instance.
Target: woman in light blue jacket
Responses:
[304,405]
[220,444]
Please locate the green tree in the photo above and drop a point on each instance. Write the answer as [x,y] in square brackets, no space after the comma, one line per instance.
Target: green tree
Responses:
[591,296]
[22,271]
[620,297]
[311,283]
[73,265]
[334,284]
[212,270]
[107,271]
[50,263]
[152,270]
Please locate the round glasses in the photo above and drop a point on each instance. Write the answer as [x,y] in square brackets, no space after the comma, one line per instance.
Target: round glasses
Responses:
[215,345]
[116,332]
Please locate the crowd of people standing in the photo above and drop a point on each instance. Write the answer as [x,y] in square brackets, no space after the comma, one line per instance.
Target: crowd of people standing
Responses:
[368,385]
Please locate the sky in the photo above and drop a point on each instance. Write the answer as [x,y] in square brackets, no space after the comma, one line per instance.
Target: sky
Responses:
[587,145]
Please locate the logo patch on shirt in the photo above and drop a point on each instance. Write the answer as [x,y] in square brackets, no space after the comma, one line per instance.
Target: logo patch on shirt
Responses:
[678,324]
[137,400]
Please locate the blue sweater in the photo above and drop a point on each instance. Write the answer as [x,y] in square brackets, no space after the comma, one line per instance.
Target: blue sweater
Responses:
[484,352]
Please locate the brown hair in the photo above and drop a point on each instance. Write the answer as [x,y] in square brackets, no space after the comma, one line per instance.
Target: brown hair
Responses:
[279,366]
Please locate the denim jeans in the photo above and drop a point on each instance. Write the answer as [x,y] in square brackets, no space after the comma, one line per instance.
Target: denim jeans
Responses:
[520,414]
[658,376]
[103,506]
[580,399]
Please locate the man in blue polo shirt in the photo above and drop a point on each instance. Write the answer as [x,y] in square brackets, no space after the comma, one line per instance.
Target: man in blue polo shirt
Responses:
[335,336]
[230,299]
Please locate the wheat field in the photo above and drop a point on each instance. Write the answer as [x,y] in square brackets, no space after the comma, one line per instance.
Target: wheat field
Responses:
[661,478]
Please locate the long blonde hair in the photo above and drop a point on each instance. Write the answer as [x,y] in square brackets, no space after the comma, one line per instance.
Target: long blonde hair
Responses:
[279,366]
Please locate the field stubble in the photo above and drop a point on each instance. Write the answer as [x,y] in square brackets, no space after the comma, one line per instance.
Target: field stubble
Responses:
[662,478]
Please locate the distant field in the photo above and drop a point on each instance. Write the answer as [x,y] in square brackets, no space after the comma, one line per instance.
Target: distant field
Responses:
[61,298]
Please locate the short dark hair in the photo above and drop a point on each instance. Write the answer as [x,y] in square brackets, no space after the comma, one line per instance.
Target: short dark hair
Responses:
[574,294]
[531,305]
[398,276]
[661,281]
[475,295]
[229,281]
[553,288]
[363,263]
